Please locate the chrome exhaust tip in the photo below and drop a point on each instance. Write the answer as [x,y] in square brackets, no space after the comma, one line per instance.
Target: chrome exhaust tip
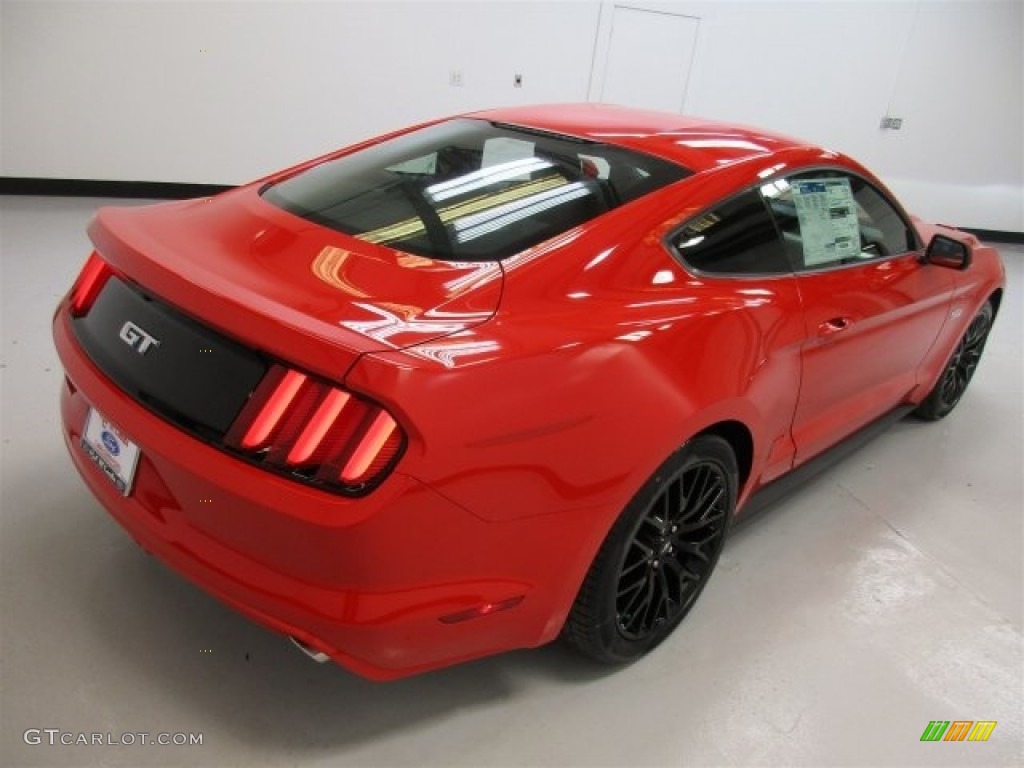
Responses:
[318,656]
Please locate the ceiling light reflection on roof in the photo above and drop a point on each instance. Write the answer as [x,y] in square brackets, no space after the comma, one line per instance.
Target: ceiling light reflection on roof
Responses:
[771,169]
[722,144]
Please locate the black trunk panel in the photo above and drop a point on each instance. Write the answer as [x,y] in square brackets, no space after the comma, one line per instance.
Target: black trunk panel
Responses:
[167,361]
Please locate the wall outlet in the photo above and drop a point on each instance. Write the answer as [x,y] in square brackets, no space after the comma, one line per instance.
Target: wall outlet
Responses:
[517,81]
[893,123]
[455,78]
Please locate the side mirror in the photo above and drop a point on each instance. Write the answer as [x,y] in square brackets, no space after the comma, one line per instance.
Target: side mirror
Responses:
[947,252]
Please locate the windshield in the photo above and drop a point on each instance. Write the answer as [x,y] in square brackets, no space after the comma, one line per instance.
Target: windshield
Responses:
[470,190]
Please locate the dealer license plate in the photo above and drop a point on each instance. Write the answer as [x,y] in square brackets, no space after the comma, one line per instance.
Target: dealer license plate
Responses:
[109,448]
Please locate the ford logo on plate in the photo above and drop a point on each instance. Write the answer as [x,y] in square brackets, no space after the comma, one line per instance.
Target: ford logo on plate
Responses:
[110,443]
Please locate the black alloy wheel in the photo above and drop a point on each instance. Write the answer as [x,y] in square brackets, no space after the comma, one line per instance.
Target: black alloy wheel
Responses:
[960,369]
[658,556]
[671,551]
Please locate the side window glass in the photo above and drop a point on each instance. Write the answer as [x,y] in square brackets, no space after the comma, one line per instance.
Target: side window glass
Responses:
[735,238]
[882,229]
[831,218]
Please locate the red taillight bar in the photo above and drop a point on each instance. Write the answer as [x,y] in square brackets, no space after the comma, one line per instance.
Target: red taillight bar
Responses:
[273,409]
[316,432]
[317,426]
[369,447]
[89,284]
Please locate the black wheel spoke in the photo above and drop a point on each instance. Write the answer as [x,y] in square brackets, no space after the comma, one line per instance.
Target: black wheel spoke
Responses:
[634,608]
[964,361]
[648,599]
[709,491]
[645,549]
[694,549]
[683,573]
[704,522]
[636,600]
[672,550]
[949,385]
[674,499]
[662,610]
[631,569]
[694,501]
[654,604]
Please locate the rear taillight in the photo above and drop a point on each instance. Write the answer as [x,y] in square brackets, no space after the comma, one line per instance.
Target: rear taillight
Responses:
[317,432]
[89,284]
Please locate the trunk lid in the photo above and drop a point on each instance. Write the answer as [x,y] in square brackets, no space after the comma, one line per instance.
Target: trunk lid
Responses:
[288,287]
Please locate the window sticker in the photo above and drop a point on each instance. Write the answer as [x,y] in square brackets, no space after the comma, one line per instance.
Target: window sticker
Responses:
[828,220]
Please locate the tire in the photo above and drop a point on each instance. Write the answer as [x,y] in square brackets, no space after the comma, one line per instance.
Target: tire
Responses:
[959,368]
[658,556]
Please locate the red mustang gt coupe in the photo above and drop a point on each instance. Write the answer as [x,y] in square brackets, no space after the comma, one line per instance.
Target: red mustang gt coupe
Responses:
[503,377]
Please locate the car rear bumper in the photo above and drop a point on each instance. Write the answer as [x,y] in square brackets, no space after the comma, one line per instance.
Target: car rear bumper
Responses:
[366,581]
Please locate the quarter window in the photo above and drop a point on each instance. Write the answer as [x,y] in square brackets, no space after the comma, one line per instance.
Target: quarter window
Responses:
[831,218]
[735,238]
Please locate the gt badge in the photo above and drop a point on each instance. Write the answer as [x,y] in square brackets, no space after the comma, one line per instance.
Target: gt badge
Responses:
[137,339]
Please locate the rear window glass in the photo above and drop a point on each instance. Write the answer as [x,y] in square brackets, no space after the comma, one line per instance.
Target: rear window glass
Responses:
[470,190]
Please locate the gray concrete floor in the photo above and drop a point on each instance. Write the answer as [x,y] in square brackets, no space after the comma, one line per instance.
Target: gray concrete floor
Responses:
[884,594]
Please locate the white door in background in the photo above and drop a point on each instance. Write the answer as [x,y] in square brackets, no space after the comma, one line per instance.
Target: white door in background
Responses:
[648,59]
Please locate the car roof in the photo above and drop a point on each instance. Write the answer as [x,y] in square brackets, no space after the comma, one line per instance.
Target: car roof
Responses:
[694,142]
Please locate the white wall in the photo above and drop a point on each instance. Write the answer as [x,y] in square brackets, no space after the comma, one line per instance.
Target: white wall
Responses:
[224,92]
[829,71]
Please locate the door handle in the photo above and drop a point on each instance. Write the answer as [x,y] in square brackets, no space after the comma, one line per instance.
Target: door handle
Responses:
[835,325]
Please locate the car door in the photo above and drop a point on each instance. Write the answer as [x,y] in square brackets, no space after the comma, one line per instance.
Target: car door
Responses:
[871,308]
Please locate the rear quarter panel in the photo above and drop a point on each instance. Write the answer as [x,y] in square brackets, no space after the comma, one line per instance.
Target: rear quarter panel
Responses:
[600,362]
[604,357]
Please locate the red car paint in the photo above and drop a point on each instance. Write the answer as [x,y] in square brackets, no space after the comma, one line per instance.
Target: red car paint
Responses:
[536,394]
